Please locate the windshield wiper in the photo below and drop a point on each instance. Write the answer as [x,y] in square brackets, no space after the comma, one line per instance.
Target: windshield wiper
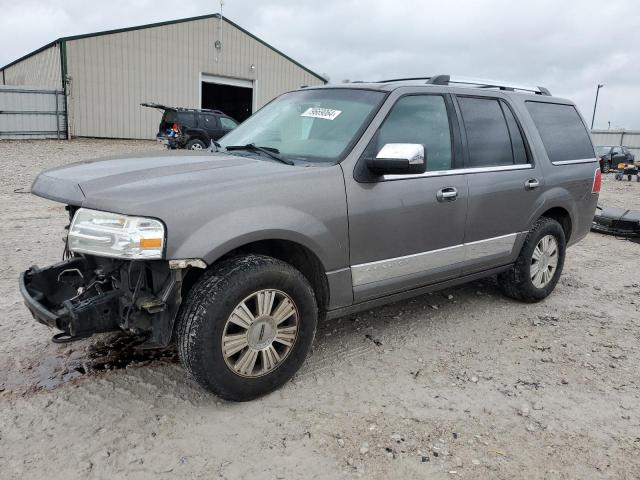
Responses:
[269,151]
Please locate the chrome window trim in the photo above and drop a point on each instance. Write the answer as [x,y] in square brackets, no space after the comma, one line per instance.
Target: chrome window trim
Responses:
[572,162]
[379,270]
[460,171]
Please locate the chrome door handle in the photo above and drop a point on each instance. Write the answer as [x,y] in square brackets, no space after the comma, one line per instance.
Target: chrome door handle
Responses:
[531,184]
[447,194]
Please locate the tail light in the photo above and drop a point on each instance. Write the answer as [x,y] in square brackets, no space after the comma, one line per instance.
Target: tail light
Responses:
[597,181]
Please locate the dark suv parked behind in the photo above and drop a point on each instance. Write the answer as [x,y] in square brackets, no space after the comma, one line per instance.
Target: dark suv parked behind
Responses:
[191,128]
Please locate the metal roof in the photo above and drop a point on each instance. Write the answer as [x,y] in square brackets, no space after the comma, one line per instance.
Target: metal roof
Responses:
[161,24]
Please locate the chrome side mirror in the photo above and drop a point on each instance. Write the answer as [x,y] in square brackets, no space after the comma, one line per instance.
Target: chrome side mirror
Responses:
[399,158]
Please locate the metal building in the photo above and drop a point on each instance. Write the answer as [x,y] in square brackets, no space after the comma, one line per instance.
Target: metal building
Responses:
[198,62]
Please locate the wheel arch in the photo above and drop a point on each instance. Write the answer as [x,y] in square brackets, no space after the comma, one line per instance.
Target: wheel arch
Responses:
[295,253]
[563,217]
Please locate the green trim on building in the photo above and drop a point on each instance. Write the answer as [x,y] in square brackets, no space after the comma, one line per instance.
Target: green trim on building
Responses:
[62,41]
[63,65]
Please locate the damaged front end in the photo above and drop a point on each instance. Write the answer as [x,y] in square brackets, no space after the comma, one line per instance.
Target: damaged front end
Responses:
[85,295]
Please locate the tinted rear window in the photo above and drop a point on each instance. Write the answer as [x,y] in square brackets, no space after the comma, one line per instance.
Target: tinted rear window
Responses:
[563,134]
[170,116]
[186,118]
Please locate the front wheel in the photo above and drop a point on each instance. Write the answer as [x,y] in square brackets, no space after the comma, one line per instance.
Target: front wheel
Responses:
[606,166]
[539,265]
[247,326]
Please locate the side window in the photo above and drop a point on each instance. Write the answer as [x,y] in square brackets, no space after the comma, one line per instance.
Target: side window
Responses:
[617,151]
[562,131]
[420,119]
[208,122]
[187,119]
[227,123]
[488,137]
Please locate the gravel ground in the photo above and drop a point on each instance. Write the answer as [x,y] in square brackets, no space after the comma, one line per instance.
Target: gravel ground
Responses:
[461,383]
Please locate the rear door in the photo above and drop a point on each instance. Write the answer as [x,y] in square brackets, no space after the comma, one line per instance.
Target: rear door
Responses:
[505,186]
[209,123]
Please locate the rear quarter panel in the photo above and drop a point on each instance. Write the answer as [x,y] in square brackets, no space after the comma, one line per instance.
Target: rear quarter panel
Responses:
[567,186]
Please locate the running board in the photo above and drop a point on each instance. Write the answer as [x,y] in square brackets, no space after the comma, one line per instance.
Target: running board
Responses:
[396,297]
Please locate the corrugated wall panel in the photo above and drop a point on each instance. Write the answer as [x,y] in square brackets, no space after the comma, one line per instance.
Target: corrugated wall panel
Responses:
[40,70]
[112,74]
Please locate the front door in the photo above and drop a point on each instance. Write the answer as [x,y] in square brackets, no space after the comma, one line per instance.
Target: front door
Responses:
[505,187]
[407,230]
[617,156]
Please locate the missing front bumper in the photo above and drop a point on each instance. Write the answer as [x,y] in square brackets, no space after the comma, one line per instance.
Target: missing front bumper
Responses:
[61,304]
[86,295]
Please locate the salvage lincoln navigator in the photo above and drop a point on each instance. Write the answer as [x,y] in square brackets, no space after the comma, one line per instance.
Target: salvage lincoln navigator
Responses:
[327,201]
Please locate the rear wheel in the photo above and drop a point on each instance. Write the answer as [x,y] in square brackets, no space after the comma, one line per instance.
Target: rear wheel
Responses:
[539,265]
[247,326]
[195,144]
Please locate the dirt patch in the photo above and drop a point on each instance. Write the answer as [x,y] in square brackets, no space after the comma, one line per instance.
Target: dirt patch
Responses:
[459,383]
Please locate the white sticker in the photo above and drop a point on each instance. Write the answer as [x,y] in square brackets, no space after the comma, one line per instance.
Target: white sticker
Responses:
[325,113]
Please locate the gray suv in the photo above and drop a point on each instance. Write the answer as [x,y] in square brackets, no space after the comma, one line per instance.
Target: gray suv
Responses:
[327,201]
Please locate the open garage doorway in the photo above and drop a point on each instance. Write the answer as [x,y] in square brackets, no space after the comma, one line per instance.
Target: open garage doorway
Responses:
[233,96]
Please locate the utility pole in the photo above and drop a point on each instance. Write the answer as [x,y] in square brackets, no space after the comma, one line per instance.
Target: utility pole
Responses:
[595,104]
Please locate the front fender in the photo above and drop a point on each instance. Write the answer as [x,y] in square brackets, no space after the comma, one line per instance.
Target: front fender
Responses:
[231,230]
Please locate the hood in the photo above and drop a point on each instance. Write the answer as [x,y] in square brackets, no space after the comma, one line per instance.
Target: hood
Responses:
[120,184]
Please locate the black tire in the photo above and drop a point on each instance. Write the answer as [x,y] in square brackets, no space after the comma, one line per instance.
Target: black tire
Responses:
[196,144]
[203,316]
[606,166]
[516,282]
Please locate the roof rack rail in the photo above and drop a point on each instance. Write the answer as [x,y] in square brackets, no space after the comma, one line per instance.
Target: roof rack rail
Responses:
[484,83]
[477,82]
[403,79]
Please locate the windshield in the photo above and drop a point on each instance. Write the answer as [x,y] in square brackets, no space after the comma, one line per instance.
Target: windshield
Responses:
[308,125]
[602,150]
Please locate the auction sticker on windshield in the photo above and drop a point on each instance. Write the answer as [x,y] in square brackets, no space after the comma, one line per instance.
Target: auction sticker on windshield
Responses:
[325,113]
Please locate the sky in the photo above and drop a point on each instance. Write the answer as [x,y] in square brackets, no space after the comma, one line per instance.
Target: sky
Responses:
[567,46]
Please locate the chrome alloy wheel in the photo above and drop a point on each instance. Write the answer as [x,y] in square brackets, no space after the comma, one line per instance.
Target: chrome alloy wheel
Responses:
[197,146]
[260,333]
[544,261]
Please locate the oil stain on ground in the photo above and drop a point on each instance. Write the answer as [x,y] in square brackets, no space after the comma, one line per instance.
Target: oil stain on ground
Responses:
[84,358]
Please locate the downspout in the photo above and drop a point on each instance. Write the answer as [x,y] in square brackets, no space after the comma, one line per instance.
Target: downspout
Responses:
[63,71]
[4,80]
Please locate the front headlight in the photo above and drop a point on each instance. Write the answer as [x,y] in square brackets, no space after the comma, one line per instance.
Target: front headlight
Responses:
[114,235]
